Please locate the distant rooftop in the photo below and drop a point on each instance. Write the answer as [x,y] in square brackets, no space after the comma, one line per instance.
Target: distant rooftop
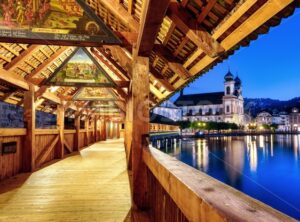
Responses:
[200,99]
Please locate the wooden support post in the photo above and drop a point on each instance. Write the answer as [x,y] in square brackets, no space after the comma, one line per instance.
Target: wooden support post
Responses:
[87,128]
[140,130]
[28,152]
[128,129]
[96,128]
[60,122]
[77,127]
[118,130]
[103,130]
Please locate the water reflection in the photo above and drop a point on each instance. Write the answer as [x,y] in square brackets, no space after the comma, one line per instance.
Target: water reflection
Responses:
[264,167]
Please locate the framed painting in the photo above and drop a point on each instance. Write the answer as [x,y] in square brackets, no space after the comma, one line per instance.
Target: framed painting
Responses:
[60,22]
[80,69]
[92,94]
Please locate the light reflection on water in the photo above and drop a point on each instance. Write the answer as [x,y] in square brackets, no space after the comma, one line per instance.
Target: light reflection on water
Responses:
[264,167]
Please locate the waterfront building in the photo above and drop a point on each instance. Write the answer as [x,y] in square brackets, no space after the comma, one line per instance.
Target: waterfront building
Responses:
[294,119]
[263,118]
[282,120]
[225,106]
[169,110]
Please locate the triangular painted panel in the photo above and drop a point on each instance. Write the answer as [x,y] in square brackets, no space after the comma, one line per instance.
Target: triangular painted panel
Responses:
[89,93]
[102,104]
[80,69]
[107,110]
[63,22]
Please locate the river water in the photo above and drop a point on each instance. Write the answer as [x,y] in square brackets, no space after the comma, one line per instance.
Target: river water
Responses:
[266,168]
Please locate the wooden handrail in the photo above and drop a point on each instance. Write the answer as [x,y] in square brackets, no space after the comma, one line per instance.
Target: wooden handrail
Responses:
[203,198]
[12,132]
[69,131]
[46,131]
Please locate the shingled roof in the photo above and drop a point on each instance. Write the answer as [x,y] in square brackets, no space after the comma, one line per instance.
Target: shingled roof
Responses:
[200,99]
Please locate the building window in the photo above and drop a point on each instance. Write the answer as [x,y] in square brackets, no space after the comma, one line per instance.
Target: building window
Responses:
[228,90]
[227,109]
[200,111]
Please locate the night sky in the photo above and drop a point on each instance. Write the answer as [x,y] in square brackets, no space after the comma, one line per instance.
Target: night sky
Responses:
[268,68]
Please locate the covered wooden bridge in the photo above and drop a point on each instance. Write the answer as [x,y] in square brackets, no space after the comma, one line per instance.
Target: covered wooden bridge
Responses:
[99,66]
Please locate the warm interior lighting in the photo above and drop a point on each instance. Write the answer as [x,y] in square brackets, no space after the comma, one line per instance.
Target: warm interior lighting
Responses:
[54,88]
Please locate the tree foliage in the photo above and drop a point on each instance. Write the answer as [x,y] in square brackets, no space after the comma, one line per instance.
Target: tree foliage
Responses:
[213,125]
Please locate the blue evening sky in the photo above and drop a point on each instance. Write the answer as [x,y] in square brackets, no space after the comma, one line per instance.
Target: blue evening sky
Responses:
[269,67]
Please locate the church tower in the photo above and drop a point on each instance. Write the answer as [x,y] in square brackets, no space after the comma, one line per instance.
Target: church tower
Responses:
[233,102]
[229,84]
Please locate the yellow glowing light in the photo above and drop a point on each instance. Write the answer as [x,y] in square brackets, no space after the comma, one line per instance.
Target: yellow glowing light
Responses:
[54,88]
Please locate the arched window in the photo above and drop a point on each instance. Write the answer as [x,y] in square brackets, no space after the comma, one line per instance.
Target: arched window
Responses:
[227,109]
[200,111]
[228,90]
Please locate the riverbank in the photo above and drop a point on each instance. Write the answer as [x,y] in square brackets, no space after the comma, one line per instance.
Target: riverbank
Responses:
[239,133]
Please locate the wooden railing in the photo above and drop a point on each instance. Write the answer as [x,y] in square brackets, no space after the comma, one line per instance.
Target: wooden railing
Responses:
[155,127]
[46,141]
[11,164]
[178,193]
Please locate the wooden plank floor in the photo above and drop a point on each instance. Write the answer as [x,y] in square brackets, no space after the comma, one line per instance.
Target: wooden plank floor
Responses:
[92,186]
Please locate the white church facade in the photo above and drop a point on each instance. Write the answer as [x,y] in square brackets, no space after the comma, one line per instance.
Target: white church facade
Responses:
[227,106]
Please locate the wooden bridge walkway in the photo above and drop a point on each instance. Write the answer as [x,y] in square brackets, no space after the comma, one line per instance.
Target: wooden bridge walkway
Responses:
[92,186]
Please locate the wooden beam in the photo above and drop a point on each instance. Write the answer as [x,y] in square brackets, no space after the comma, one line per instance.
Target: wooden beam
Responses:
[205,10]
[8,47]
[122,84]
[117,9]
[140,126]
[162,80]
[67,145]
[46,152]
[17,81]
[117,70]
[13,79]
[263,14]
[120,56]
[29,149]
[6,96]
[41,91]
[130,6]
[47,62]
[193,31]
[153,13]
[173,63]
[169,33]
[22,57]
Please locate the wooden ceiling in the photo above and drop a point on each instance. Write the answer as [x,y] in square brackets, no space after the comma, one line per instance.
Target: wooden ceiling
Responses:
[183,39]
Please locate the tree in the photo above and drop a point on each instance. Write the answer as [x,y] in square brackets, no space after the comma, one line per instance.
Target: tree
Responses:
[184,124]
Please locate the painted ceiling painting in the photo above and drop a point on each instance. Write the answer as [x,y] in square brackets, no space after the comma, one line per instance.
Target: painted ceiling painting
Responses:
[53,21]
[80,69]
[108,110]
[102,104]
[90,93]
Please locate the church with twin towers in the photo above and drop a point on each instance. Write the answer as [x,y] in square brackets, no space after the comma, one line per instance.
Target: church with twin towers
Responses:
[226,106]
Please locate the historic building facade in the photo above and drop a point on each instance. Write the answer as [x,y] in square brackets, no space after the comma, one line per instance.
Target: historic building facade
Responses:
[294,119]
[227,106]
[169,110]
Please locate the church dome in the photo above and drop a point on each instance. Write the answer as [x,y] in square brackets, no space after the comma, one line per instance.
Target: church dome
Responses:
[238,81]
[228,76]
